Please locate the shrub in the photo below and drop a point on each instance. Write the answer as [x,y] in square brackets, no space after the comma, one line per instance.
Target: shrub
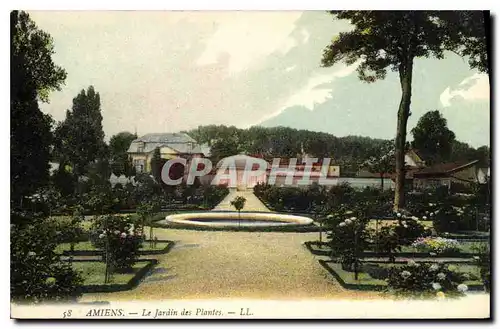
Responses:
[408,229]
[119,237]
[348,237]
[388,242]
[36,272]
[483,261]
[437,245]
[425,280]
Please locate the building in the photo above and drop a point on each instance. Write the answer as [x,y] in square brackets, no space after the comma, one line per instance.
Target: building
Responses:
[171,145]
[413,159]
[446,174]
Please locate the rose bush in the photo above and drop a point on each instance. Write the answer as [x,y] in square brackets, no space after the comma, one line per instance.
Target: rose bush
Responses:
[424,279]
[119,240]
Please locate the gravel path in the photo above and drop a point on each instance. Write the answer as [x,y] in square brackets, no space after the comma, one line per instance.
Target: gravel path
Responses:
[252,203]
[208,265]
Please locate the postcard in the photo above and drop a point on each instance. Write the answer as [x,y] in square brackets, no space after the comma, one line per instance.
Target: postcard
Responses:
[250,165]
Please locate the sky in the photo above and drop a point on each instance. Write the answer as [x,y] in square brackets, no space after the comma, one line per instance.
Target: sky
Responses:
[160,71]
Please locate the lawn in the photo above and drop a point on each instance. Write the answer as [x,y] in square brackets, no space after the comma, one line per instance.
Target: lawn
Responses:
[472,270]
[348,277]
[93,272]
[464,247]
[87,245]
[365,278]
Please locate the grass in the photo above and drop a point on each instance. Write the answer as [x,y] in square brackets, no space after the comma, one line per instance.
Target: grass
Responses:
[464,247]
[93,272]
[472,270]
[365,278]
[348,277]
[87,245]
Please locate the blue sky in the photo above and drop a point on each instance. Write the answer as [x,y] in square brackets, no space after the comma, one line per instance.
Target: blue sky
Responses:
[170,71]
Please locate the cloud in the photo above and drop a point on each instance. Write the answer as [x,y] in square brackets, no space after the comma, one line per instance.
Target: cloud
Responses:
[475,87]
[249,36]
[316,91]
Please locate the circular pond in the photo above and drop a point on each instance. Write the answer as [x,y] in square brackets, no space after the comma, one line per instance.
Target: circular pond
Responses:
[233,219]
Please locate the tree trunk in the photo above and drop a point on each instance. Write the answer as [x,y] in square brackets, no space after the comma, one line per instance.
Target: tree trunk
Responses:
[405,78]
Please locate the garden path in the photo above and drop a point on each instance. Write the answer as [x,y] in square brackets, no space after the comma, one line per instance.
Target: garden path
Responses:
[252,203]
[248,265]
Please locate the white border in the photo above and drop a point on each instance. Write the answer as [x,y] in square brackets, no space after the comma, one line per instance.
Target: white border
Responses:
[189,5]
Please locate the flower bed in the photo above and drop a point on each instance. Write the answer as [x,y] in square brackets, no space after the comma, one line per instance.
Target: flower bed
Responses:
[87,249]
[465,250]
[93,275]
[374,275]
[437,245]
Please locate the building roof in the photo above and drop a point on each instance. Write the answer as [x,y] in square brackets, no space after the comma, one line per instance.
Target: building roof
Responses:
[444,168]
[166,138]
[179,142]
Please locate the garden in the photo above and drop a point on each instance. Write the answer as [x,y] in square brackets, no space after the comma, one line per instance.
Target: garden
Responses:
[438,246]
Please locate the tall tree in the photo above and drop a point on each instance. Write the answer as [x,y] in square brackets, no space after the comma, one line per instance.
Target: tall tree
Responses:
[432,138]
[33,75]
[382,40]
[80,138]
[118,146]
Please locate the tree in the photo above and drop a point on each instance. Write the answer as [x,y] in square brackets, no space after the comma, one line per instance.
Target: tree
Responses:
[432,138]
[156,165]
[120,161]
[223,148]
[238,203]
[33,75]
[382,40]
[80,138]
[382,162]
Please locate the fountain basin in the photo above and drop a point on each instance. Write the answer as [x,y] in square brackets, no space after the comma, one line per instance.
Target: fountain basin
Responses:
[231,219]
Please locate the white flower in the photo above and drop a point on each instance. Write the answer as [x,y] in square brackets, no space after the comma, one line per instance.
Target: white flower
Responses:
[117,232]
[32,253]
[342,224]
[102,235]
[441,276]
[424,218]
[405,274]
[433,267]
[329,216]
[353,218]
[414,217]
[347,221]
[462,287]
[431,214]
[399,214]
[411,262]
[436,286]
[123,235]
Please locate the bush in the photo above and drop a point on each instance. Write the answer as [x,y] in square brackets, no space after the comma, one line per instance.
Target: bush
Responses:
[119,237]
[408,229]
[67,230]
[483,261]
[36,272]
[348,237]
[425,280]
[388,242]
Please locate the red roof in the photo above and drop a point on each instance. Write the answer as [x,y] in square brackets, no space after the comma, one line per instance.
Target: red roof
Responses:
[444,168]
